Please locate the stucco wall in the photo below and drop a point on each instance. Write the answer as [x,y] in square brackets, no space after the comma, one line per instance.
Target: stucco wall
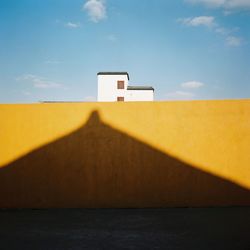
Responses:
[107,87]
[139,95]
[157,154]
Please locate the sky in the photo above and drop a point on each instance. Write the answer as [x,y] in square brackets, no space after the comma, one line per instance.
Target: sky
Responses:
[52,50]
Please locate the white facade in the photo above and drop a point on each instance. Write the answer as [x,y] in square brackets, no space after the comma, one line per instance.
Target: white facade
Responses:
[139,95]
[113,86]
[107,87]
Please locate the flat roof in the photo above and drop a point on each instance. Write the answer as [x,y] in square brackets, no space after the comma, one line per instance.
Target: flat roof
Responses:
[113,73]
[140,88]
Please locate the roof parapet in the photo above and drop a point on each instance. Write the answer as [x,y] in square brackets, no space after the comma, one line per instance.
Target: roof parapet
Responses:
[140,88]
[113,73]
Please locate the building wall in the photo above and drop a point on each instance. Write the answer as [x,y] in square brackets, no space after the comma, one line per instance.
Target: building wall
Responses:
[107,87]
[139,95]
[152,154]
[108,92]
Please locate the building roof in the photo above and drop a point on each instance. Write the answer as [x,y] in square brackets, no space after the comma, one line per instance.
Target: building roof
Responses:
[113,73]
[140,88]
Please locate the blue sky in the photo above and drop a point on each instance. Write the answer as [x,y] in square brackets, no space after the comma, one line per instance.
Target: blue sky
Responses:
[187,49]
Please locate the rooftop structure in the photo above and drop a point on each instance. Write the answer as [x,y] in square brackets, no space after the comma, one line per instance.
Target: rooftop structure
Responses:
[114,86]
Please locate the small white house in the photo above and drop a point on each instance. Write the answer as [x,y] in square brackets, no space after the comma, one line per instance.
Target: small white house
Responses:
[113,87]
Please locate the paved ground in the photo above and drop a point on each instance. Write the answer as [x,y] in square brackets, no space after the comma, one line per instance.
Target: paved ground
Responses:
[181,228]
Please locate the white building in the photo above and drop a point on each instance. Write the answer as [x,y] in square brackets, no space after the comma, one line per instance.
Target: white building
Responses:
[113,87]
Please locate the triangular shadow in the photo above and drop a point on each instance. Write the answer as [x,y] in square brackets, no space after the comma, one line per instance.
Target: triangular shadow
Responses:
[99,166]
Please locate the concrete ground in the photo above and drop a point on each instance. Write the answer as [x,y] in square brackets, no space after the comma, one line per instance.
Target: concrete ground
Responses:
[179,228]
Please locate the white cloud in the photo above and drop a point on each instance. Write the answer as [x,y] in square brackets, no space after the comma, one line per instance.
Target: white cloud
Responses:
[225,31]
[233,41]
[192,85]
[180,95]
[73,25]
[185,95]
[226,4]
[237,3]
[111,38]
[39,82]
[227,12]
[96,10]
[208,21]
[27,93]
[90,99]
[222,31]
[209,3]
[53,62]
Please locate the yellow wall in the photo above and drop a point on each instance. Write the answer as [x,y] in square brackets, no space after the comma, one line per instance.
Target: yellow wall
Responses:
[154,154]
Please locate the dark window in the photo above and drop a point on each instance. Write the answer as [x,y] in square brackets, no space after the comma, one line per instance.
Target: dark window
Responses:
[120,84]
[120,99]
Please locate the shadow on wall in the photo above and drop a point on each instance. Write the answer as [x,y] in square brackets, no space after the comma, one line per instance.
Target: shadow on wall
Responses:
[99,166]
